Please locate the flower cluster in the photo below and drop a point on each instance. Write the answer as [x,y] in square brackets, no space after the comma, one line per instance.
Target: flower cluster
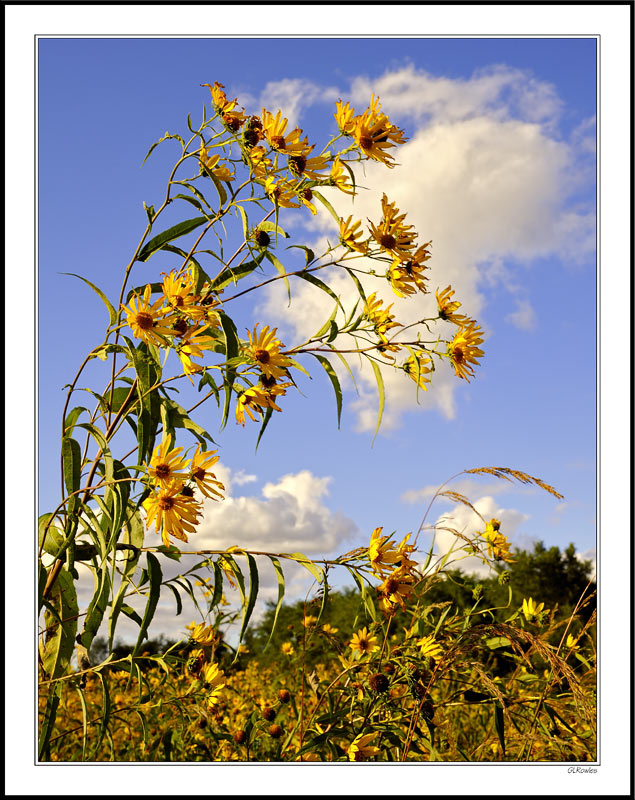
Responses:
[172,506]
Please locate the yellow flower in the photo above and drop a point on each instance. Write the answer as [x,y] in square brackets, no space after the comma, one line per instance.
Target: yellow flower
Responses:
[381,552]
[447,307]
[345,117]
[329,629]
[309,621]
[212,164]
[287,648]
[416,367]
[305,195]
[201,475]
[191,345]
[253,400]
[381,318]
[179,293]
[349,233]
[166,464]
[374,134]
[173,513]
[570,644]
[392,235]
[407,275]
[340,177]
[274,130]
[360,748]
[363,642]
[395,588]
[219,99]
[280,193]
[428,647]
[148,322]
[203,635]
[264,349]
[497,544]
[463,350]
[303,167]
[214,681]
[531,610]
[259,163]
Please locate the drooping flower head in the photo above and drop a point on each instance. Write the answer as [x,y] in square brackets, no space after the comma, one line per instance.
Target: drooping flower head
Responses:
[448,307]
[202,475]
[374,134]
[407,275]
[392,235]
[340,177]
[345,117]
[429,647]
[172,512]
[497,544]
[349,235]
[464,351]
[360,748]
[418,368]
[191,345]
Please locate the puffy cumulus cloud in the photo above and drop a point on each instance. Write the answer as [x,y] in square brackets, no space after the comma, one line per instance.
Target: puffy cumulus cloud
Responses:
[291,95]
[468,487]
[462,519]
[486,179]
[499,91]
[289,516]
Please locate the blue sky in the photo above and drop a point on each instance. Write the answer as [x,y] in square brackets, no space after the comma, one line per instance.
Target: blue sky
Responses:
[499,172]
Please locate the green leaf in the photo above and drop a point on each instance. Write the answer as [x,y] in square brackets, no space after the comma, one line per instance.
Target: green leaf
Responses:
[155,574]
[381,394]
[48,723]
[175,416]
[272,227]
[171,552]
[311,278]
[231,351]
[497,641]
[59,641]
[309,255]
[111,311]
[307,564]
[97,607]
[253,594]
[270,257]
[82,700]
[222,194]
[327,205]
[163,139]
[357,283]
[71,419]
[53,539]
[265,421]
[169,235]
[218,585]
[71,462]
[280,579]
[328,368]
[105,713]
[234,274]
[499,722]
[177,597]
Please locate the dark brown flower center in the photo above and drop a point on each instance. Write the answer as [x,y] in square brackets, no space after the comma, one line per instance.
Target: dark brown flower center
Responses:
[307,194]
[162,470]
[198,474]
[391,585]
[166,503]
[365,142]
[297,164]
[180,326]
[187,491]
[267,382]
[458,354]
[278,142]
[387,240]
[144,321]
[262,355]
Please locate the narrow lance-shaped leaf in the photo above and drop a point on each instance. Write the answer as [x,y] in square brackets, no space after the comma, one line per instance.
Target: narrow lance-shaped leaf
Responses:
[155,575]
[176,231]
[380,393]
[231,351]
[328,368]
[253,594]
[111,311]
[280,579]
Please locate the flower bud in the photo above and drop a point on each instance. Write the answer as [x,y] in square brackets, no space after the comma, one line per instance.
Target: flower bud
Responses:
[269,713]
[275,731]
[284,695]
[378,682]
[240,736]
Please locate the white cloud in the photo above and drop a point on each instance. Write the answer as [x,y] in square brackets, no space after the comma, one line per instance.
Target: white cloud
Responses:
[291,95]
[465,521]
[485,178]
[524,317]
